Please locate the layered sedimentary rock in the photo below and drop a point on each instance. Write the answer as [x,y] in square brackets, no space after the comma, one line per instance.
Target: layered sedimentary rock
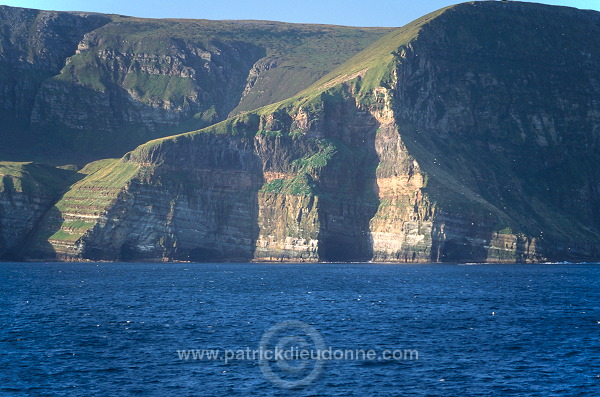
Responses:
[27,190]
[91,86]
[506,126]
[469,135]
[34,46]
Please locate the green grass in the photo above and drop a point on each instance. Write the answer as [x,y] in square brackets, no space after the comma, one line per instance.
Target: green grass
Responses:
[97,166]
[270,134]
[79,224]
[374,62]
[35,179]
[107,177]
[368,69]
[318,160]
[299,185]
[303,52]
[84,69]
[77,210]
[133,63]
[155,86]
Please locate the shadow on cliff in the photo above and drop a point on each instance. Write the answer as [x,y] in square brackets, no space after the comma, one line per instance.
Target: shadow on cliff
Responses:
[348,199]
[213,181]
[472,204]
[502,206]
[35,243]
[110,122]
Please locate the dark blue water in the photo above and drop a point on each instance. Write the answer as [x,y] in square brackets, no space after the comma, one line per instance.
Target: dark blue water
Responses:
[114,329]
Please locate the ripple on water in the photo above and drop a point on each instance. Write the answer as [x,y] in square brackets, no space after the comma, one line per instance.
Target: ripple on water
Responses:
[114,329]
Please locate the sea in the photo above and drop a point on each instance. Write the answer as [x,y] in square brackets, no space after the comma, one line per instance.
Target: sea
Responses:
[343,329]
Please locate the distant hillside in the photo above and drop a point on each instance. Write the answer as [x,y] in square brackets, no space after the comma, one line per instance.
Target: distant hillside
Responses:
[89,86]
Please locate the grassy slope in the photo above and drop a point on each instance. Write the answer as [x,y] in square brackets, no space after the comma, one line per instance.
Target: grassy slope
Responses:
[373,63]
[34,179]
[42,181]
[27,190]
[304,52]
[78,209]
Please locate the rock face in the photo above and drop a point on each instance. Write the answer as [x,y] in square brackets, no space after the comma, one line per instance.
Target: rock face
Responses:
[510,121]
[136,95]
[91,86]
[470,135]
[34,46]
[27,190]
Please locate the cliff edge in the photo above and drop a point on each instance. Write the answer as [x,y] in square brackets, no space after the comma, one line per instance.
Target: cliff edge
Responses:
[469,135]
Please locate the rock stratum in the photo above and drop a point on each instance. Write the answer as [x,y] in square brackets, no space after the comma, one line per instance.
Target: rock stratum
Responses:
[469,135]
[92,86]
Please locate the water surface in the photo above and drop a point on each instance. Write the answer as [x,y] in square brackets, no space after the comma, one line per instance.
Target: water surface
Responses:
[115,328]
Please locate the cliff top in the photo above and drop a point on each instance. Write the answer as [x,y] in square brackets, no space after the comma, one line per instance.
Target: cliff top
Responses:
[505,31]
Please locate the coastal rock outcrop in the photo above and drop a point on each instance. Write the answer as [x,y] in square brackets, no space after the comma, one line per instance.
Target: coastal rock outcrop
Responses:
[27,191]
[469,135]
